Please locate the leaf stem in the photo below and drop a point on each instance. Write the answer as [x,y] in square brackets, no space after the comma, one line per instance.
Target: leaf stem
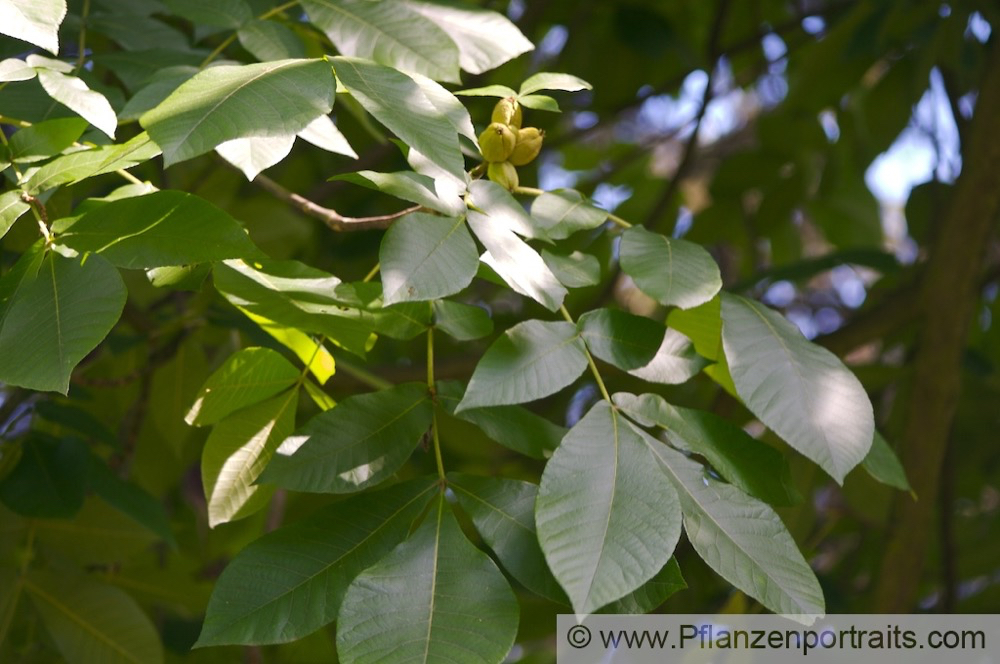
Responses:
[372,273]
[81,44]
[590,360]
[433,391]
[231,38]
[363,375]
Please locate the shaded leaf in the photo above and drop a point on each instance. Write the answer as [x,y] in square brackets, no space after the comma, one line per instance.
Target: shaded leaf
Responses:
[463,322]
[50,479]
[57,312]
[882,463]
[576,270]
[529,361]
[84,164]
[651,594]
[161,229]
[673,272]
[741,538]
[747,463]
[45,139]
[564,212]
[92,623]
[514,427]
[129,499]
[625,340]
[238,450]
[360,443]
[11,209]
[291,582]
[675,361]
[801,391]
[248,376]
[503,511]
[426,257]
[220,13]
[607,518]
[438,598]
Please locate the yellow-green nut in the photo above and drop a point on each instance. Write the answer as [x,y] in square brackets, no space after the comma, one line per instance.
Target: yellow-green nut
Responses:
[497,142]
[508,112]
[529,144]
[504,174]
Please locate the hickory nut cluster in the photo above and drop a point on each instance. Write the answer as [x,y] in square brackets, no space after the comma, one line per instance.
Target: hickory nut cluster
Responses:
[505,144]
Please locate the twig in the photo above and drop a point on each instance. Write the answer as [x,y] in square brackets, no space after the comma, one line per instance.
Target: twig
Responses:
[333,219]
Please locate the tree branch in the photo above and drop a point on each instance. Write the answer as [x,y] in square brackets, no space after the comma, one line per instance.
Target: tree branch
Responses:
[948,296]
[333,219]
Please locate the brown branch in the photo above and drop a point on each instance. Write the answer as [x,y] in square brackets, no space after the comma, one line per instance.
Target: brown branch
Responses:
[333,219]
[948,296]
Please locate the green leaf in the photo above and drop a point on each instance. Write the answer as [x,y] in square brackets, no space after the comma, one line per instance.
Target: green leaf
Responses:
[488,91]
[398,102]
[98,534]
[220,13]
[358,444]
[34,21]
[11,209]
[129,499]
[747,463]
[45,139]
[159,87]
[237,450]
[270,40]
[882,463]
[564,212]
[291,582]
[74,94]
[529,361]
[84,164]
[517,263]
[225,102]
[135,33]
[295,295]
[92,623]
[673,272]
[651,594]
[448,105]
[408,186]
[426,257]
[622,339]
[675,361]
[323,133]
[575,270]
[12,69]
[485,39]
[741,538]
[50,479]
[539,103]
[249,376]
[801,391]
[503,209]
[57,313]
[514,427]
[65,415]
[550,81]
[389,33]
[463,322]
[607,518]
[161,229]
[503,511]
[437,597]
[255,154]
[179,277]
[310,352]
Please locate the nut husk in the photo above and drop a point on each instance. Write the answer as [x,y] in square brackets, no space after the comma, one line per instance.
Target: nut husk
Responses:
[497,142]
[508,112]
[529,144]
[504,174]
